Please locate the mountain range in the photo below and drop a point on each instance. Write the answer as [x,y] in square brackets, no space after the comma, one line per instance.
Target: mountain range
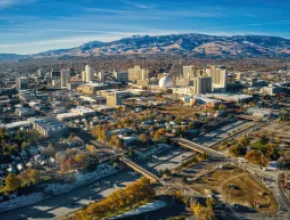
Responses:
[196,45]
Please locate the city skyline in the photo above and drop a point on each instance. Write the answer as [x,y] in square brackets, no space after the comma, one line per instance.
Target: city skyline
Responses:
[36,25]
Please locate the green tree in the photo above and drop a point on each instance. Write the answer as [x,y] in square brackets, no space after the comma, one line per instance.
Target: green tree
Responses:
[25,145]
[12,182]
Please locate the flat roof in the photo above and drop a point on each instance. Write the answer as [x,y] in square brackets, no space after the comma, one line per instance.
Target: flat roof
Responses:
[18,124]
[49,124]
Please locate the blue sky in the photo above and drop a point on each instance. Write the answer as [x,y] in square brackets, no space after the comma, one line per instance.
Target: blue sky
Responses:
[30,26]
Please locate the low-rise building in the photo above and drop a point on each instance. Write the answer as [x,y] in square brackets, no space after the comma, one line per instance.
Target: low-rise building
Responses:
[83,111]
[49,127]
[15,126]
[25,111]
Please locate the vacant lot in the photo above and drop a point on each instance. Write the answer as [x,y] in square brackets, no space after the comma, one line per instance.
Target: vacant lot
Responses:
[181,110]
[238,187]
[280,130]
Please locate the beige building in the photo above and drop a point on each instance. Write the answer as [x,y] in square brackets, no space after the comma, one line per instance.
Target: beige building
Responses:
[115,98]
[64,78]
[219,77]
[137,73]
[191,72]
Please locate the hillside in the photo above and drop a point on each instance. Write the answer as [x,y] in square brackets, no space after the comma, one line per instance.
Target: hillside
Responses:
[196,45]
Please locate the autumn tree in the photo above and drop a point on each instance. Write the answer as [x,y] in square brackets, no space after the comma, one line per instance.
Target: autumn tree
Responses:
[143,138]
[12,182]
[33,176]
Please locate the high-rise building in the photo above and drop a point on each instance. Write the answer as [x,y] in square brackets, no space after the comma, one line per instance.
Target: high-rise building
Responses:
[88,74]
[219,77]
[137,73]
[55,74]
[101,76]
[64,77]
[202,85]
[120,76]
[191,72]
[22,83]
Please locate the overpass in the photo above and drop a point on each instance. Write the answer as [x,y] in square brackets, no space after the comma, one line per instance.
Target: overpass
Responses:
[197,147]
[153,178]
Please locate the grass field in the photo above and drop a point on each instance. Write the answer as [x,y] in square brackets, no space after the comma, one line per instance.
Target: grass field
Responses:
[238,187]
[258,145]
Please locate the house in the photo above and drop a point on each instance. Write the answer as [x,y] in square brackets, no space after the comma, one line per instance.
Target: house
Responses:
[33,151]
[19,167]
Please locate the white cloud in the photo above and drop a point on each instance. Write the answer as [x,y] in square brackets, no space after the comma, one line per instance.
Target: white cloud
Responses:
[138,5]
[9,3]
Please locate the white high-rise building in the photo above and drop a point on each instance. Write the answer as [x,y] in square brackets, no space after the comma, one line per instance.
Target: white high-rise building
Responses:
[219,77]
[202,85]
[64,78]
[88,74]
[22,83]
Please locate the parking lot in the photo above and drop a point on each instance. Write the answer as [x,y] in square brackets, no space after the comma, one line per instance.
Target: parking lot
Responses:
[220,133]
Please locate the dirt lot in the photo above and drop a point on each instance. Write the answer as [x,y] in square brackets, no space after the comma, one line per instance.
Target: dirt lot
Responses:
[238,187]
[181,110]
[277,129]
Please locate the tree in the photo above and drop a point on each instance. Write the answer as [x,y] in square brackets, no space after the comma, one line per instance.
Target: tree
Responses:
[210,202]
[14,149]
[25,145]
[12,182]
[156,136]
[168,118]
[143,138]
[33,176]
[161,131]
[244,141]
[115,165]
[222,107]
[19,135]
[237,150]
[196,208]
[80,158]
[191,125]
[264,139]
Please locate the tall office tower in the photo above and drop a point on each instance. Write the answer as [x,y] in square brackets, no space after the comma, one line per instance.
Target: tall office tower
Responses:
[191,72]
[219,77]
[120,76]
[202,85]
[137,73]
[187,72]
[64,78]
[40,72]
[22,83]
[89,73]
[145,74]
[101,76]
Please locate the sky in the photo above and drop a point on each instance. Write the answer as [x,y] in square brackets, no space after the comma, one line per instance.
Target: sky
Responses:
[31,26]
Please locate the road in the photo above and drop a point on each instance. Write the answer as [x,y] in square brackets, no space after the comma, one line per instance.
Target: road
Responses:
[64,204]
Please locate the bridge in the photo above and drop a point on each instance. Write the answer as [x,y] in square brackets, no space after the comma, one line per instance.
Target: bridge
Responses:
[197,147]
[152,177]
